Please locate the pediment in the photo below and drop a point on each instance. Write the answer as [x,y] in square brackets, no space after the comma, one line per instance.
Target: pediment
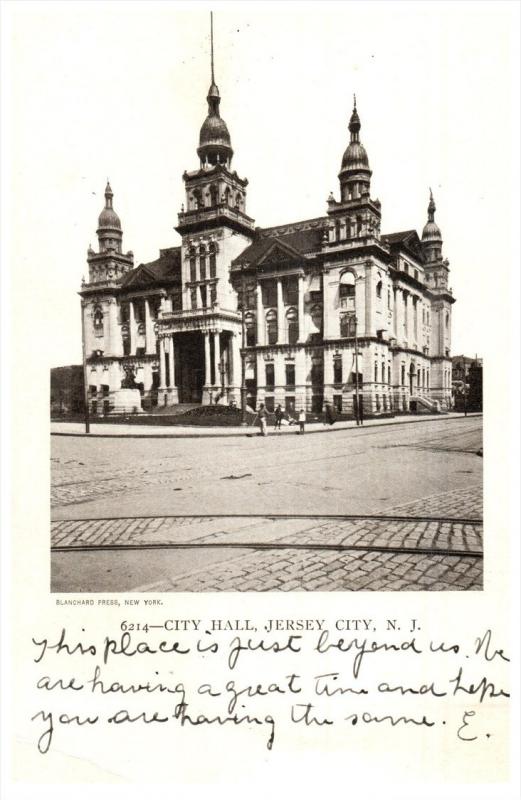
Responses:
[142,277]
[278,253]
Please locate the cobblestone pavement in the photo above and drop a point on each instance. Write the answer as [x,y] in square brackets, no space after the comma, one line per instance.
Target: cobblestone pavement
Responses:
[104,471]
[290,565]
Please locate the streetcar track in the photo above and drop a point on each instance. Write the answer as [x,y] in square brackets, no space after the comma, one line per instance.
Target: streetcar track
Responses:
[271,517]
[420,551]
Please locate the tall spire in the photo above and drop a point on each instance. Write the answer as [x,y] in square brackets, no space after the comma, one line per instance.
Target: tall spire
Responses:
[211,42]
[431,208]
[214,138]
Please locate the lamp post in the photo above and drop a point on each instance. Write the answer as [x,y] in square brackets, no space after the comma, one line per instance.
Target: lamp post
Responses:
[243,345]
[84,360]
[222,370]
[465,391]
[358,418]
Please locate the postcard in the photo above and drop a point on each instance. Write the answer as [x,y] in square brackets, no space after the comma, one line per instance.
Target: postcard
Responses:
[259,398]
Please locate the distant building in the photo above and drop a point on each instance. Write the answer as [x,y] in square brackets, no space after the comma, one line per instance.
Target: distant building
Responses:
[467,383]
[308,289]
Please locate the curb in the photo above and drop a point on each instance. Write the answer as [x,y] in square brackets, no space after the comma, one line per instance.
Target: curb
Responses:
[252,435]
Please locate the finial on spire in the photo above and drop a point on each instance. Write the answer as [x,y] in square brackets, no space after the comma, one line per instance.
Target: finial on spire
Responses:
[211,42]
[431,207]
[354,102]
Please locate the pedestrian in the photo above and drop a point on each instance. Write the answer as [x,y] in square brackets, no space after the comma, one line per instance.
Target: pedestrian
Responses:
[330,414]
[301,420]
[262,414]
[278,417]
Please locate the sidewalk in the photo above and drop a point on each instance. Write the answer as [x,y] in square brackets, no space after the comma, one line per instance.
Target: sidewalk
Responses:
[196,432]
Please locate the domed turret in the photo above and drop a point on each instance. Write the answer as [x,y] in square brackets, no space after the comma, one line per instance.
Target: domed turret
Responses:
[431,232]
[109,225]
[355,156]
[215,145]
[431,237]
[355,174]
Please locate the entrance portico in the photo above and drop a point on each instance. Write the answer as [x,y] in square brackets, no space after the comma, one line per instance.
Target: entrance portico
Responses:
[199,357]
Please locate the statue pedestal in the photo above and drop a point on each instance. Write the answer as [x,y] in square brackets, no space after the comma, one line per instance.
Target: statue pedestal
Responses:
[125,401]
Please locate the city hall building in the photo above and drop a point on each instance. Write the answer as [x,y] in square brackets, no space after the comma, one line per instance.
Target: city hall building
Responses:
[309,309]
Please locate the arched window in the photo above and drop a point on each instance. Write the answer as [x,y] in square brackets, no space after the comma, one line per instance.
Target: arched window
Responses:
[202,262]
[271,327]
[98,318]
[292,326]
[197,200]
[251,338]
[214,195]
[347,290]
[193,268]
[447,320]
[212,259]
[379,289]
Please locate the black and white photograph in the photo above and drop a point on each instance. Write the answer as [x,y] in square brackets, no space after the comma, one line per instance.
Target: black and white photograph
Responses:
[260,388]
[270,407]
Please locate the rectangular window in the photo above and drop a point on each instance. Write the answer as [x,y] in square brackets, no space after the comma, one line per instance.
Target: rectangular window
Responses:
[389,374]
[140,351]
[213,294]
[403,375]
[250,336]
[290,374]
[376,372]
[290,405]
[337,402]
[270,374]
[193,274]
[177,300]
[290,291]
[126,347]
[269,294]
[193,298]
[269,402]
[383,372]
[202,268]
[203,296]
[337,370]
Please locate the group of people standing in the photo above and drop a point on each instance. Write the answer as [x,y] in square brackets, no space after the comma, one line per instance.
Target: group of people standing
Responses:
[262,416]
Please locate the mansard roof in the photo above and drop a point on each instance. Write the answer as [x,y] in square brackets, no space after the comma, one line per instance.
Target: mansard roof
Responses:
[165,269]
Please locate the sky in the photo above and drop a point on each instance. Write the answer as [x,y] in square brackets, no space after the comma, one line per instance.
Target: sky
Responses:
[118,89]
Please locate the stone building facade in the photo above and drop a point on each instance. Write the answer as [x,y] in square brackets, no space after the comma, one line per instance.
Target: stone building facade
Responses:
[313,306]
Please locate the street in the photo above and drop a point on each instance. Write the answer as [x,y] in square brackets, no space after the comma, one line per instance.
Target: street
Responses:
[408,500]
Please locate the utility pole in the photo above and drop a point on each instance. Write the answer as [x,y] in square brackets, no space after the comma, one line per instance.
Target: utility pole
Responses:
[222,370]
[84,357]
[356,376]
[243,345]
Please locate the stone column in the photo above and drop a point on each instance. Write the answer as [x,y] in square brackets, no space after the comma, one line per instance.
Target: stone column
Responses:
[173,396]
[261,379]
[216,358]
[171,363]
[236,377]
[325,306]
[260,316]
[301,324]
[162,364]
[281,338]
[132,328]
[328,376]
[300,379]
[368,301]
[280,378]
[207,361]
[115,344]
[150,339]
